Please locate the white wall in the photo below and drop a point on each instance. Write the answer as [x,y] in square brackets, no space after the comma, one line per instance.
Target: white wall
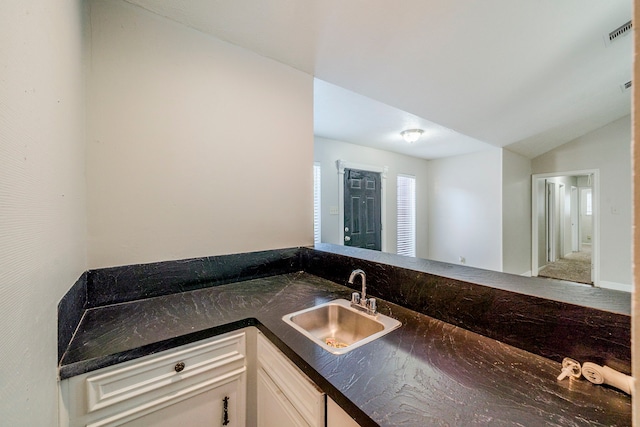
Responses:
[327,151]
[465,209]
[606,149]
[196,147]
[42,196]
[516,213]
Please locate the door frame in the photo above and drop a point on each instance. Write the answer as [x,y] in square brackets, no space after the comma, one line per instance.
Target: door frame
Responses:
[382,170]
[595,194]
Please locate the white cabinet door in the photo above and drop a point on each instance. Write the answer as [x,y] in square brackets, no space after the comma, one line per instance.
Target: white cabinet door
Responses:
[274,409]
[337,417]
[207,409]
[284,389]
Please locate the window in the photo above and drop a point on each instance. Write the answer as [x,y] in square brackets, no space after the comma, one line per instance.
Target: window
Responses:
[589,208]
[316,202]
[406,213]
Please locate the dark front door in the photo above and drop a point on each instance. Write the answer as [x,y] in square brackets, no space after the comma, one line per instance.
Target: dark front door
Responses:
[362,210]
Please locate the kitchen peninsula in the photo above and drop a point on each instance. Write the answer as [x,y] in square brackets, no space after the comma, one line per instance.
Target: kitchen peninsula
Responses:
[427,372]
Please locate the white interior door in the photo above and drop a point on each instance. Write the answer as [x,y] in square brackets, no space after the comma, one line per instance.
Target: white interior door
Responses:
[575,246]
[551,221]
[561,219]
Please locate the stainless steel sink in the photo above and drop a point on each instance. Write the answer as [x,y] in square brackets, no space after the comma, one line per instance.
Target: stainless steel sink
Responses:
[339,328]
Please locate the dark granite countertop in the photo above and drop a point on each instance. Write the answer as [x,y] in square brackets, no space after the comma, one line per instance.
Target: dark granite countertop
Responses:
[556,290]
[427,372]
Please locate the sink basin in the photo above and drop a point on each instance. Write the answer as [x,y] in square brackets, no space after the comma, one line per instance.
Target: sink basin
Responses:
[339,328]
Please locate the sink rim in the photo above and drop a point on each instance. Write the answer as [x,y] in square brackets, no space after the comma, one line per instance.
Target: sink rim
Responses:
[388,324]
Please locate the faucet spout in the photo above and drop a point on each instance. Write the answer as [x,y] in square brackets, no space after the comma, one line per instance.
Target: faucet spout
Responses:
[362,274]
[361,301]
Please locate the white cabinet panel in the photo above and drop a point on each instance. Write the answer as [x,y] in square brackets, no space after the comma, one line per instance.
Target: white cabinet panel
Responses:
[291,383]
[204,409]
[274,409]
[337,417]
[141,376]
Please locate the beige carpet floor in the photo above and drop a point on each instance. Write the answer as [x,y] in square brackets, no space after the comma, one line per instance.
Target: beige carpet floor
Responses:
[575,267]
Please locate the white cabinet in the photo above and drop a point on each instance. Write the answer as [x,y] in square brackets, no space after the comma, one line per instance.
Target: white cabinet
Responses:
[286,396]
[337,417]
[202,383]
[207,383]
[274,409]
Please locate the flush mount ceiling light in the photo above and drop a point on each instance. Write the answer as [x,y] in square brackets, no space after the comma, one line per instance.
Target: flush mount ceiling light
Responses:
[411,135]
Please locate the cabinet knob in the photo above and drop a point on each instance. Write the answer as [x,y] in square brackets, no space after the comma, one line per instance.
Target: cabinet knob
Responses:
[179,366]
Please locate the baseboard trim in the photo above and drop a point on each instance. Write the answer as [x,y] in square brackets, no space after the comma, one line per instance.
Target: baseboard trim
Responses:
[624,287]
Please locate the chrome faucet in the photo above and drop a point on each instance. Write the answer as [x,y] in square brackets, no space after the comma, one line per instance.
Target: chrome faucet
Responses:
[360,301]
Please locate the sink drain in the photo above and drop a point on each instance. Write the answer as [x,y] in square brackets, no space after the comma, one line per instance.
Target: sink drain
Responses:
[332,342]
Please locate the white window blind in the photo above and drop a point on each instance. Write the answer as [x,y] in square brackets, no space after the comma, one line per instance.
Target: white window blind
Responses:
[406,214]
[316,202]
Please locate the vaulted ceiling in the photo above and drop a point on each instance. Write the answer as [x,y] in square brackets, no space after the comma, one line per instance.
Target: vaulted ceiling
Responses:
[526,75]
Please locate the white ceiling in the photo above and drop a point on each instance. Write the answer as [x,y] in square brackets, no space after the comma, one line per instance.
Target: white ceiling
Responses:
[527,75]
[347,116]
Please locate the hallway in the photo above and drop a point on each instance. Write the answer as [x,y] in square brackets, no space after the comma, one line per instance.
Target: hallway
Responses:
[575,267]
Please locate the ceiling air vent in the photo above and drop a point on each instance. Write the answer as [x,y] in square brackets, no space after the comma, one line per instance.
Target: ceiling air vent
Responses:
[618,33]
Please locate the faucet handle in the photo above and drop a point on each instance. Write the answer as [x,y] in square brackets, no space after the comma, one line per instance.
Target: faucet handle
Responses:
[355,298]
[371,304]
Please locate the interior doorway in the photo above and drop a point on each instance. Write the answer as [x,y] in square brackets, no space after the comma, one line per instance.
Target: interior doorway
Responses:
[565,226]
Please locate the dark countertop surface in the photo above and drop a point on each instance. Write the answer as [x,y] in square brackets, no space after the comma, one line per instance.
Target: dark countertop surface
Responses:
[427,372]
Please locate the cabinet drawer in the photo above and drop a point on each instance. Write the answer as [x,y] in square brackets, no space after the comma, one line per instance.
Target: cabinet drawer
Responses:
[169,368]
[303,394]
